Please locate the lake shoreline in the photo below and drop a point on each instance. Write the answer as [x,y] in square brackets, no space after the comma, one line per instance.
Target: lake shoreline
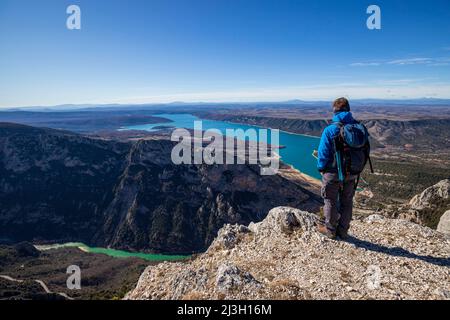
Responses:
[262,127]
[296,147]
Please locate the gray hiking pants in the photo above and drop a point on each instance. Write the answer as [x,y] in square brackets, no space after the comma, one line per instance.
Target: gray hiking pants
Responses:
[338,209]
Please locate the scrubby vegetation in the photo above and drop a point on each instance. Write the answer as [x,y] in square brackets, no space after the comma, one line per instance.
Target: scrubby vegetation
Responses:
[398,179]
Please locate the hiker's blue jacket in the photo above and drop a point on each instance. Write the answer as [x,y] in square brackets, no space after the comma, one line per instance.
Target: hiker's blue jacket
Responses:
[326,146]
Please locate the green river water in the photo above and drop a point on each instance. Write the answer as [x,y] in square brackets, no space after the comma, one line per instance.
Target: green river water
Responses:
[112,252]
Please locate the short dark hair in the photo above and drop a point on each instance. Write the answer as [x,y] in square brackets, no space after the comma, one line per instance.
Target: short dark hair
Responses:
[341,104]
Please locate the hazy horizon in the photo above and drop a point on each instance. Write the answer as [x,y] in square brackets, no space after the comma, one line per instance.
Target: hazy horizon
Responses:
[415,101]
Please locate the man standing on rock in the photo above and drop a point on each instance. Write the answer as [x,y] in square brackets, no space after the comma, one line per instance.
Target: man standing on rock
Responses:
[343,153]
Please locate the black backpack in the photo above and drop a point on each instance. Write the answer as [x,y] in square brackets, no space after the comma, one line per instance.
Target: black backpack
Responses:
[352,149]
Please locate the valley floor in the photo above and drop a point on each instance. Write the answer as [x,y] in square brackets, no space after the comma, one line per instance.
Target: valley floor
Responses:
[102,277]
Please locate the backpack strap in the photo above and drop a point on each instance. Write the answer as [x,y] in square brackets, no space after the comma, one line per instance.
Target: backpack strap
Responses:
[357,181]
[370,164]
[338,155]
[340,136]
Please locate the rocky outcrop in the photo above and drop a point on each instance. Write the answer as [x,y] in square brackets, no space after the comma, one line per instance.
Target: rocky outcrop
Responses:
[284,220]
[444,223]
[431,196]
[283,257]
[427,207]
[229,278]
[61,186]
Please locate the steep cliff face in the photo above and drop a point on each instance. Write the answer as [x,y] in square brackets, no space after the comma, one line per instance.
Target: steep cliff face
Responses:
[283,257]
[60,186]
[54,185]
[425,208]
[179,209]
[427,134]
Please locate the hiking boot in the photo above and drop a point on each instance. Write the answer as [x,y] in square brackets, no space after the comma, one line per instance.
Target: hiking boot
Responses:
[341,234]
[322,229]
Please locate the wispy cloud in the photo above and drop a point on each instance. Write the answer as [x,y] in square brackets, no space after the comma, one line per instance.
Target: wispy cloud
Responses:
[402,82]
[365,64]
[411,61]
[441,61]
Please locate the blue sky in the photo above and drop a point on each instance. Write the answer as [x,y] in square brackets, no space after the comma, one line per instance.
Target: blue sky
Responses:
[139,51]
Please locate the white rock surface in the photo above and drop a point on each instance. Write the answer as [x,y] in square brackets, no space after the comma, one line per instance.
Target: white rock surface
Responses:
[431,195]
[444,223]
[283,257]
[425,208]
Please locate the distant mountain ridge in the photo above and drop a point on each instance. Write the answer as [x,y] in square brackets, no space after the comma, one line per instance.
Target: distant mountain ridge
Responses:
[368,101]
[423,133]
[81,121]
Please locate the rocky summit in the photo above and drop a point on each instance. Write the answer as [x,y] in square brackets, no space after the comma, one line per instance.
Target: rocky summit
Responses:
[283,257]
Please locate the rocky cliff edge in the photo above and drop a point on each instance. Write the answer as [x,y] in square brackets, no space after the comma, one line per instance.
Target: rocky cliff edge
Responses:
[283,257]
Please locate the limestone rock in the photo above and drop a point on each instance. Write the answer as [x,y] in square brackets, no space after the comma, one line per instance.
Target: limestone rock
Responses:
[431,195]
[284,220]
[374,218]
[229,277]
[283,257]
[444,223]
[427,207]
[229,235]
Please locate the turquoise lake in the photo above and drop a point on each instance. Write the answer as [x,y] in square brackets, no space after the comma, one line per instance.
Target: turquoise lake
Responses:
[297,152]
